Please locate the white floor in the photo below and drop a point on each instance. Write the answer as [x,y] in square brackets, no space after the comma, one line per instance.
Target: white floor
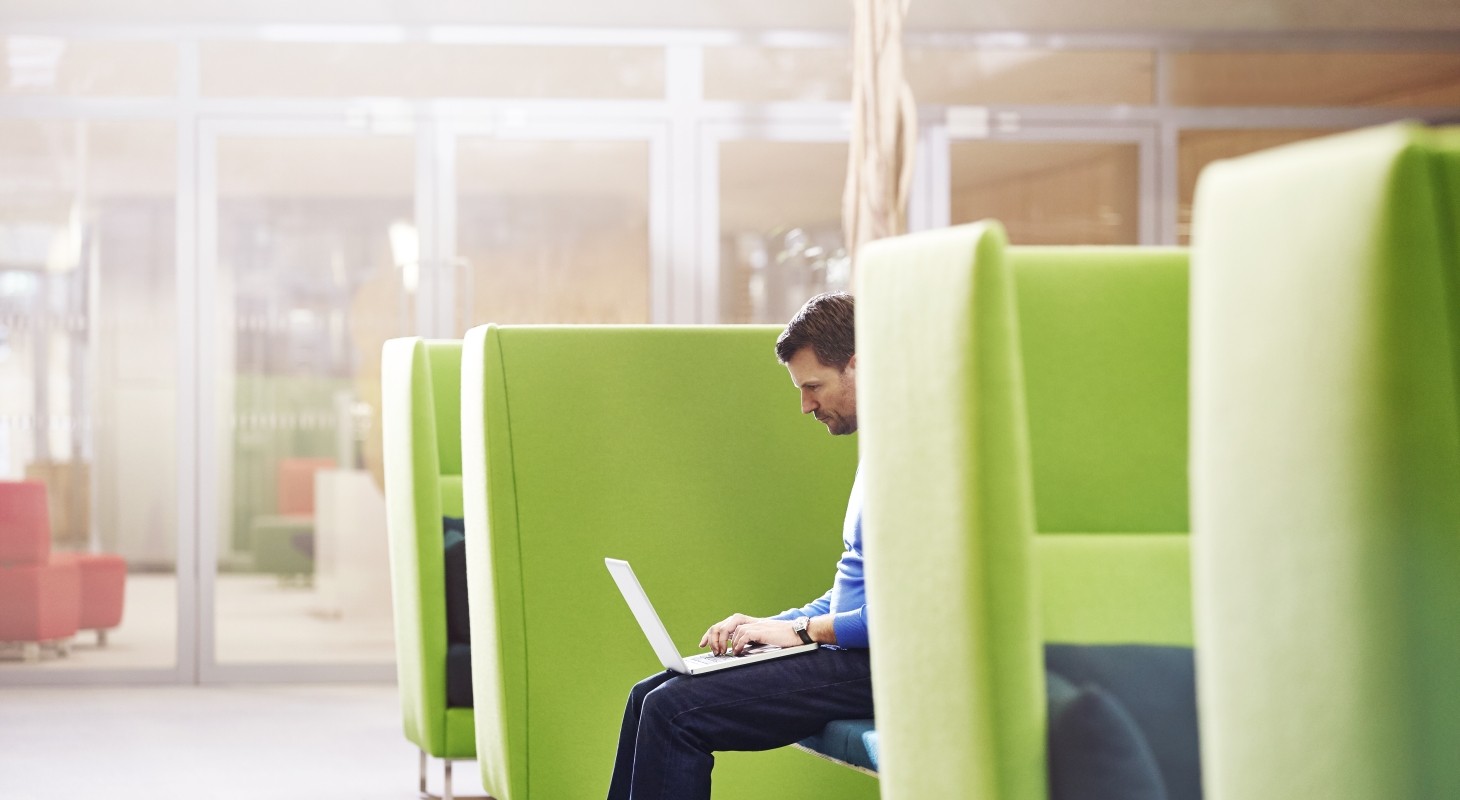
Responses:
[258,619]
[216,743]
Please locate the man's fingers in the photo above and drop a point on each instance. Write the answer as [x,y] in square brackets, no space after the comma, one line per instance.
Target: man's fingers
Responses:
[722,637]
[742,638]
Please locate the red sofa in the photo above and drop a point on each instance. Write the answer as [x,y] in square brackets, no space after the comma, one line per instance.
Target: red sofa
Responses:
[46,597]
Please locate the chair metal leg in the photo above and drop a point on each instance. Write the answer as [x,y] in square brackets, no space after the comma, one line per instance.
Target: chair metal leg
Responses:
[447,792]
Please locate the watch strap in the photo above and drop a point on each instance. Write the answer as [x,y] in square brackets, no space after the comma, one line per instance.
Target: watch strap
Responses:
[799,625]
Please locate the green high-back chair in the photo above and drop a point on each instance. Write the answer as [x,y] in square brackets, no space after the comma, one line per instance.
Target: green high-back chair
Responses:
[1023,414]
[421,418]
[1326,468]
[679,449]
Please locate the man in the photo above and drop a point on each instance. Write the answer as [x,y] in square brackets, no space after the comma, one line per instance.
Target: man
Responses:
[674,723]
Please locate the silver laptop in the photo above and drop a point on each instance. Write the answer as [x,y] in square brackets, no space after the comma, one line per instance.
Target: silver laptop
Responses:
[638,602]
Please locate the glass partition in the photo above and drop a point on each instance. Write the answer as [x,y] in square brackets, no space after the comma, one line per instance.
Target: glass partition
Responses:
[1198,148]
[1028,76]
[308,290]
[780,227]
[1312,79]
[1049,192]
[771,74]
[49,65]
[552,231]
[943,76]
[420,69]
[89,362]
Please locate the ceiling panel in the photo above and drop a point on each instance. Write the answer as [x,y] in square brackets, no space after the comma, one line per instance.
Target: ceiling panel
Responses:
[929,15]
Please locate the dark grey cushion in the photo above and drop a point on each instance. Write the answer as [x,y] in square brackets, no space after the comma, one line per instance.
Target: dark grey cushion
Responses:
[1095,750]
[458,676]
[458,631]
[1156,687]
[458,625]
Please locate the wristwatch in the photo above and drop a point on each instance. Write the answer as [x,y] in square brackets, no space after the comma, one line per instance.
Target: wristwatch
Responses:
[799,626]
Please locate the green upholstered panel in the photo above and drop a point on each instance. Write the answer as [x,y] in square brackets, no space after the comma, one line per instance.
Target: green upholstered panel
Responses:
[451,500]
[461,732]
[1111,588]
[1326,471]
[1103,343]
[679,449]
[949,519]
[445,360]
[415,376]
[1103,331]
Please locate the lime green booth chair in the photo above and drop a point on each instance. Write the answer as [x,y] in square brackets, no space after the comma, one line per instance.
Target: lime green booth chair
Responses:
[1024,422]
[1326,468]
[679,449]
[421,418]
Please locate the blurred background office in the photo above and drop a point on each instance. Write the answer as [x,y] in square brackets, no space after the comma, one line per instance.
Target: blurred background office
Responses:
[212,215]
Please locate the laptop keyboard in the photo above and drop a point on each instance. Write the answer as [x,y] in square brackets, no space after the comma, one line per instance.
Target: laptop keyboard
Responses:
[709,658]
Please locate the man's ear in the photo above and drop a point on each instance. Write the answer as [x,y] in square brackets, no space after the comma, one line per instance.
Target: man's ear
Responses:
[851,363]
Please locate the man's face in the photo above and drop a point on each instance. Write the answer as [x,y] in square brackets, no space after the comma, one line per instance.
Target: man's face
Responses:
[827,392]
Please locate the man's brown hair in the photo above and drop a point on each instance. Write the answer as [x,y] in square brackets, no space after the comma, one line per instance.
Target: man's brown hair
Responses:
[827,323]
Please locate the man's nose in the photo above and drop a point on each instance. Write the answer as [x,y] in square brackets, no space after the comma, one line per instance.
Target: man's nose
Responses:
[807,404]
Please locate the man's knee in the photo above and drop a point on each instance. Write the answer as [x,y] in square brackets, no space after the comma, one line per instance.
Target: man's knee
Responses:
[641,690]
[666,700]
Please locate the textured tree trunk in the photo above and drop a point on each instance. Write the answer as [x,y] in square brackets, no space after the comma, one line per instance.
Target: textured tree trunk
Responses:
[884,127]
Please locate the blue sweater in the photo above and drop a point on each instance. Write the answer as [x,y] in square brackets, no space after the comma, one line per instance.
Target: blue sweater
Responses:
[846,600]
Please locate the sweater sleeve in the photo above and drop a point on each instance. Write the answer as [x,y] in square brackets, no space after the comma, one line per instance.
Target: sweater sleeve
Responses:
[851,627]
[815,608]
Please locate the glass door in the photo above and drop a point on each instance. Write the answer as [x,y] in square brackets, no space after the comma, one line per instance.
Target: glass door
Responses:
[92,377]
[310,262]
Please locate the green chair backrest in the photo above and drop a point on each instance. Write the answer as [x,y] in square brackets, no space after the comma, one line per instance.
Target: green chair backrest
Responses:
[948,520]
[420,402]
[1103,347]
[1024,422]
[1326,468]
[679,449]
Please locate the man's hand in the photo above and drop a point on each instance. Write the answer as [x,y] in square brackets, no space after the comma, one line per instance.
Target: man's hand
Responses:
[766,631]
[718,637]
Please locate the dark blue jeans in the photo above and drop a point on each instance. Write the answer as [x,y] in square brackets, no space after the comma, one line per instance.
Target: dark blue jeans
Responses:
[673,724]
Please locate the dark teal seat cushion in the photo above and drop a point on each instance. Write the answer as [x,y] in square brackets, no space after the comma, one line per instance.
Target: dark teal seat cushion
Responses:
[1122,724]
[1155,687]
[850,741]
[1096,752]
